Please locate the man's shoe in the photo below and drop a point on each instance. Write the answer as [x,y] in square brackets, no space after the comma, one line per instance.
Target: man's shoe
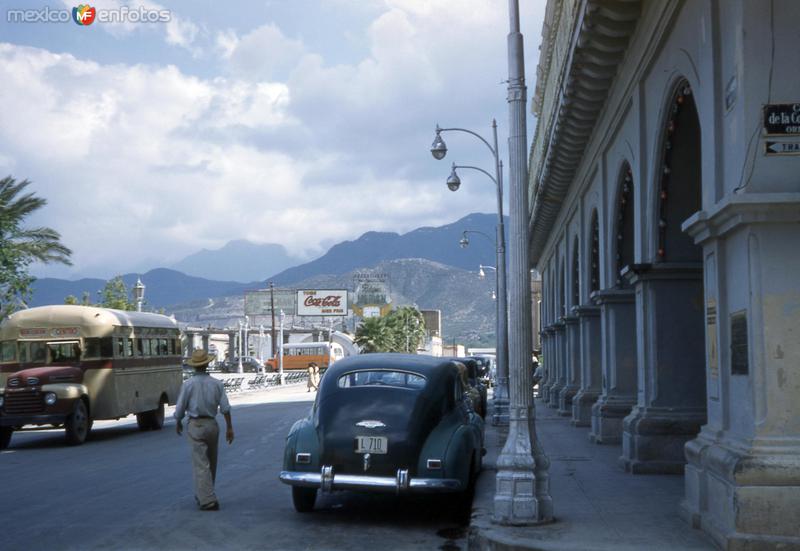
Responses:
[213,506]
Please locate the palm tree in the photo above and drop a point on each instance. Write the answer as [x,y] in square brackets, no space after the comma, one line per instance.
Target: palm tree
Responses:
[374,335]
[20,246]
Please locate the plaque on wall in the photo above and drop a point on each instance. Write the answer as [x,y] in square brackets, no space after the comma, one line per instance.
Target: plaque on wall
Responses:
[739,352]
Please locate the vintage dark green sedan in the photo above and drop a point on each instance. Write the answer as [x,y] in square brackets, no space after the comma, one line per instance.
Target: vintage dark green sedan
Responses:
[385,423]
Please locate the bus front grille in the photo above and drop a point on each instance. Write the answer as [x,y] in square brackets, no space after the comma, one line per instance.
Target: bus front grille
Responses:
[23,402]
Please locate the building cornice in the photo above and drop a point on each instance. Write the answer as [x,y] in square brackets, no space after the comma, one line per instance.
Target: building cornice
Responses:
[598,45]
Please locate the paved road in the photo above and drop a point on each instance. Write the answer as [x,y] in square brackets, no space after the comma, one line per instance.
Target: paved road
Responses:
[126,489]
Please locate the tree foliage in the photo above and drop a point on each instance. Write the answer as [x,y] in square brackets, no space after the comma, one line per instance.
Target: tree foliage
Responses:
[115,295]
[401,331]
[20,246]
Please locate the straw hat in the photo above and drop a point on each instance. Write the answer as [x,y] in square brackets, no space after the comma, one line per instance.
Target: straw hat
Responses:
[200,358]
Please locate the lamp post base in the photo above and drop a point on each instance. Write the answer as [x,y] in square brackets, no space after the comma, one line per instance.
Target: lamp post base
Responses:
[500,402]
[522,495]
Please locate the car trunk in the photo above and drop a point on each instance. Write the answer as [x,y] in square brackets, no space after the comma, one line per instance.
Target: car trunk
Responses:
[407,416]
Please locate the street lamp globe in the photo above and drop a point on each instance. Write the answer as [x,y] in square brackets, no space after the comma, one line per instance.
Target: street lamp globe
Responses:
[453,181]
[438,147]
[138,293]
[481,273]
[464,243]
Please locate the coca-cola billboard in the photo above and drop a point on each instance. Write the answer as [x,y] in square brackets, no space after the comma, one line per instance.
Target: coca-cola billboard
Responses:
[317,302]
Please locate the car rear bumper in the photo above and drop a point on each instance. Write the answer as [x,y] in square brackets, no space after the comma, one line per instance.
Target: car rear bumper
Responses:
[329,481]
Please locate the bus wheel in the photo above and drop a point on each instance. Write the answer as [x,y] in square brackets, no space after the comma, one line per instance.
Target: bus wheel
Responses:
[143,420]
[77,425]
[5,436]
[157,416]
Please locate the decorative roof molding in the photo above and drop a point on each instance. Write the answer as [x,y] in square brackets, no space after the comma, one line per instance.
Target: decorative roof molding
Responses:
[599,41]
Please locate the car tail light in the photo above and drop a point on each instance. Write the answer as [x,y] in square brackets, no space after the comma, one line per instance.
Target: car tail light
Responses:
[303,458]
[434,464]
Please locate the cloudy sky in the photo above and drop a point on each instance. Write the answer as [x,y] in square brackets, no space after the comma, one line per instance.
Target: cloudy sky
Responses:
[299,122]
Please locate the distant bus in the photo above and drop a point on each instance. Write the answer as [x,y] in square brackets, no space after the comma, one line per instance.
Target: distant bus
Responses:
[69,365]
[299,355]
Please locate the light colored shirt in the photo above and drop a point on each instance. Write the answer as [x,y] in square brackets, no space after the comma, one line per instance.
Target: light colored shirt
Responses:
[200,396]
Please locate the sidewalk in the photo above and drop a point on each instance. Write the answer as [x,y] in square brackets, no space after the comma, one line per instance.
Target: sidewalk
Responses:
[596,504]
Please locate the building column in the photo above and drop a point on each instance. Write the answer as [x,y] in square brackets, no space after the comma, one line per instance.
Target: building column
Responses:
[572,365]
[189,344]
[671,401]
[205,337]
[743,473]
[590,360]
[231,345]
[560,374]
[618,364]
[547,365]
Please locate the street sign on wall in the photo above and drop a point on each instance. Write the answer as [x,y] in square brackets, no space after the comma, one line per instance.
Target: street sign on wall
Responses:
[782,119]
[322,302]
[257,303]
[781,148]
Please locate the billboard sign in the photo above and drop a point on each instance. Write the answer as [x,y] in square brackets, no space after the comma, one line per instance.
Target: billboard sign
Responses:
[322,302]
[257,303]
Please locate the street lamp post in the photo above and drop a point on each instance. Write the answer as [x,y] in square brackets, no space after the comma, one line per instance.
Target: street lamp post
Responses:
[272,311]
[522,493]
[240,368]
[439,150]
[280,354]
[138,294]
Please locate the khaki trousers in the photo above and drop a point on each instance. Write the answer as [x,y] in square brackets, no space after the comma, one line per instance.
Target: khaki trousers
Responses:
[204,442]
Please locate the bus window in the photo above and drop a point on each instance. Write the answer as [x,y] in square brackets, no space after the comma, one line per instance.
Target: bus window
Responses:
[33,352]
[64,351]
[153,347]
[124,347]
[144,347]
[162,347]
[171,344]
[98,348]
[8,351]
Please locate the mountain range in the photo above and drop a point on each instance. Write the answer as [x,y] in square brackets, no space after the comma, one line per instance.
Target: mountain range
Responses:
[425,266]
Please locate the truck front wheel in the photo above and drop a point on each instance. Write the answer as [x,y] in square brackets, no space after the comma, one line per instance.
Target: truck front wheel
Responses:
[77,426]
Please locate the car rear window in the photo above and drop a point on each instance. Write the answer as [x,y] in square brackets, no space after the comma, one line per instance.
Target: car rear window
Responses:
[382,377]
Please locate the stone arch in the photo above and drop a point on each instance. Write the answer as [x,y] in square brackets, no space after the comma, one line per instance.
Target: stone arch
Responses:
[594,252]
[678,178]
[624,220]
[576,272]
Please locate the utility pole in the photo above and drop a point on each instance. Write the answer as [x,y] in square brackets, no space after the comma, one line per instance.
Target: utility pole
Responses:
[272,311]
[522,493]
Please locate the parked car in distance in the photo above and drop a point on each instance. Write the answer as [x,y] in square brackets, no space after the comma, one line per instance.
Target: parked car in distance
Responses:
[486,366]
[474,380]
[249,364]
[396,423]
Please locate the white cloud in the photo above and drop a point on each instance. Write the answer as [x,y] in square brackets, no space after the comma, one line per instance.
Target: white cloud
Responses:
[149,162]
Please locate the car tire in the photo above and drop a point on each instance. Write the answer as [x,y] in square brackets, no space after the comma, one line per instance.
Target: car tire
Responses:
[5,436]
[304,499]
[78,424]
[157,416]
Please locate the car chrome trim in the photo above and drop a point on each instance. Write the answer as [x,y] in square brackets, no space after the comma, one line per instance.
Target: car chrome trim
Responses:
[367,459]
[370,483]
[326,478]
[371,424]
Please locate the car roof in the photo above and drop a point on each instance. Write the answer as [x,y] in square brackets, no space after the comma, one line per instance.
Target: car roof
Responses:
[415,363]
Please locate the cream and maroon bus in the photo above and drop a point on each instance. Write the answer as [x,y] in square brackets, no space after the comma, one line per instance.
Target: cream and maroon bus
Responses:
[69,365]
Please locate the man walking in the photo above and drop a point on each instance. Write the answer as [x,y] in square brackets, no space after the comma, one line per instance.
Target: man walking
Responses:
[200,397]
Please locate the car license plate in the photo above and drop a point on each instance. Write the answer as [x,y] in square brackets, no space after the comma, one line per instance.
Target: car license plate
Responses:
[372,444]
